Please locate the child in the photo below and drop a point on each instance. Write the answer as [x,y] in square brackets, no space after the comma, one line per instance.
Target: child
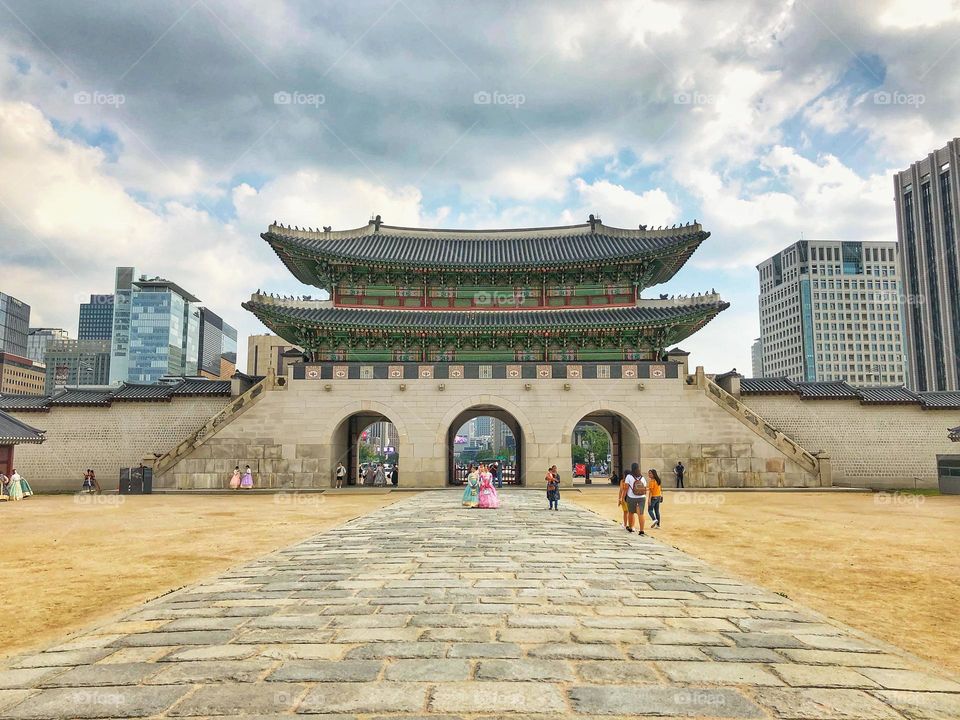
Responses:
[553,488]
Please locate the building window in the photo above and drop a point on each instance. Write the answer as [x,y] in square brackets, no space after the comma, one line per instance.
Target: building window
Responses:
[366,372]
[486,372]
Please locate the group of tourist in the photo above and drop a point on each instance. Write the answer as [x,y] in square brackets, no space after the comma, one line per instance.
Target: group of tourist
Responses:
[242,481]
[639,492]
[379,475]
[90,483]
[14,487]
[481,491]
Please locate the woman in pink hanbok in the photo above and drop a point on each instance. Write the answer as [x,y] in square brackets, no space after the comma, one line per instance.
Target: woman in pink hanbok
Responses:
[488,493]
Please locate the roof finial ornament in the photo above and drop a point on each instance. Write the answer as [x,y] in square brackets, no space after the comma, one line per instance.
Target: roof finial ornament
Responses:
[593,222]
[643,227]
[376,224]
[327,228]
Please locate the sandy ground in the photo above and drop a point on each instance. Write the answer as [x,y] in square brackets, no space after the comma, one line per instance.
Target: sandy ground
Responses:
[70,561]
[884,563]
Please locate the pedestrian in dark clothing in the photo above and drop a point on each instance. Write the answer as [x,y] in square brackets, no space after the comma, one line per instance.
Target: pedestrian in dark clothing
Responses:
[678,472]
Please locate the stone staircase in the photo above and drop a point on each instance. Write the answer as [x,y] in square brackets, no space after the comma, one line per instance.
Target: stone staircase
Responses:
[231,412]
[817,465]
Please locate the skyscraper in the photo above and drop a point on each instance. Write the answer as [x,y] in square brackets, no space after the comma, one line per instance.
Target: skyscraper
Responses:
[77,362]
[120,337]
[14,325]
[96,318]
[40,338]
[756,357]
[218,346]
[927,197]
[164,331]
[830,310]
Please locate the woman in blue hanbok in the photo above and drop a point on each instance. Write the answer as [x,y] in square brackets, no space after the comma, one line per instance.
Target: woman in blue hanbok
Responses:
[19,487]
[471,493]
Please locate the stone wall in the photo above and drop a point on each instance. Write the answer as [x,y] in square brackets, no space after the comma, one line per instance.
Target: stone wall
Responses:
[295,435]
[878,446]
[106,439]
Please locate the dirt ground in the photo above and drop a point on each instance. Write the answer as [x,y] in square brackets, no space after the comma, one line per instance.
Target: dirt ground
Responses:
[884,563]
[70,561]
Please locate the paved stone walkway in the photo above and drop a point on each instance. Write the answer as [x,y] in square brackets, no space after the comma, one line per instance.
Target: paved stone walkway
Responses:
[428,610]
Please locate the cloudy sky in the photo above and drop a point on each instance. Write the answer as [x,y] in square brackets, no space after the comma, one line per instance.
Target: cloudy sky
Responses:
[167,135]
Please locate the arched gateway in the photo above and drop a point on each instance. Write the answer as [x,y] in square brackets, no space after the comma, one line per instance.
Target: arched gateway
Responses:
[536,328]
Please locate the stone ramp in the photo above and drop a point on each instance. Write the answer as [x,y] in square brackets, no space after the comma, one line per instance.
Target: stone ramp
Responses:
[424,609]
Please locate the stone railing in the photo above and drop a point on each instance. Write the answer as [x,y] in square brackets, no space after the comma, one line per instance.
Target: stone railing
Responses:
[237,406]
[819,465]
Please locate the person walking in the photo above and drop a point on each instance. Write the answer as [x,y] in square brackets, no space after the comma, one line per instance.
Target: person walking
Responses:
[246,482]
[678,473]
[380,477]
[497,475]
[656,497]
[16,489]
[471,493]
[341,473]
[634,492]
[395,475]
[371,475]
[553,488]
[236,478]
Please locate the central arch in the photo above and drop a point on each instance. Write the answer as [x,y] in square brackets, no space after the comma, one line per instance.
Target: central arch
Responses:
[512,472]
[621,426]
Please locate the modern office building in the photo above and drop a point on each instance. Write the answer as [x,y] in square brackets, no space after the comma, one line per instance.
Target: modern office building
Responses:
[927,197]
[164,331]
[39,338]
[267,352]
[77,362]
[218,346]
[20,375]
[14,325]
[756,357]
[831,310]
[96,318]
[120,336]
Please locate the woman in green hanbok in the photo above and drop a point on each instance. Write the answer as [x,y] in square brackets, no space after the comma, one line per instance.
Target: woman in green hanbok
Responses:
[471,493]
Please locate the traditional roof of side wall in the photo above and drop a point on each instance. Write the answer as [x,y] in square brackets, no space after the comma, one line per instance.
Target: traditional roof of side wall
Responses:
[839,390]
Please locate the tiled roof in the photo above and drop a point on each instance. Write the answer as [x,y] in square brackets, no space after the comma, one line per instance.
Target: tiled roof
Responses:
[588,318]
[886,395]
[133,392]
[767,386]
[838,390]
[940,400]
[532,247]
[197,386]
[25,403]
[14,432]
[82,397]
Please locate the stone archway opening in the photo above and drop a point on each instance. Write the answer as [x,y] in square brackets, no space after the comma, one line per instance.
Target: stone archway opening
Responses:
[485,433]
[368,442]
[605,443]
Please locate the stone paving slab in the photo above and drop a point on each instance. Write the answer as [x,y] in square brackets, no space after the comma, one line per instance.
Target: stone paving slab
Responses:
[427,610]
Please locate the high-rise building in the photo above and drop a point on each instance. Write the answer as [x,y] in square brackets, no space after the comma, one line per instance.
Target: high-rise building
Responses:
[266,352]
[20,375]
[120,337]
[756,357]
[830,310]
[96,318]
[164,331]
[218,346]
[77,362]
[927,197]
[14,325]
[39,338]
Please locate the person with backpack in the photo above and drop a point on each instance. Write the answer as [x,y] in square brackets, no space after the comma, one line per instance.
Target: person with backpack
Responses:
[656,497]
[633,495]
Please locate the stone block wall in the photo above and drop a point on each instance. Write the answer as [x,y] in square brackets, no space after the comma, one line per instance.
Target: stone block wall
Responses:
[877,446]
[106,439]
[295,436]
